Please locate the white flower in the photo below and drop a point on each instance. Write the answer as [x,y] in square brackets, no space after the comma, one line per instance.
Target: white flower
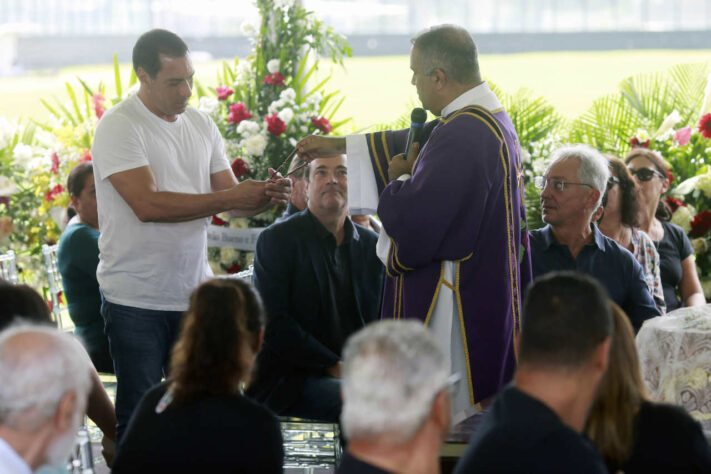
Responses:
[286,114]
[45,138]
[243,73]
[228,255]
[314,98]
[7,186]
[283,3]
[239,223]
[255,144]
[273,66]
[248,28]
[642,135]
[668,125]
[247,128]
[275,106]
[525,156]
[209,105]
[682,217]
[287,95]
[7,130]
[293,142]
[706,106]
[22,153]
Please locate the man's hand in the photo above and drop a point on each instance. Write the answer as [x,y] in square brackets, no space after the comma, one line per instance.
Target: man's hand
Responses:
[278,188]
[400,166]
[317,146]
[254,197]
[335,371]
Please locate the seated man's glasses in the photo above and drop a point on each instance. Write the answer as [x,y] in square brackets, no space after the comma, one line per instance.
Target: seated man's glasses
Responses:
[557,184]
[646,174]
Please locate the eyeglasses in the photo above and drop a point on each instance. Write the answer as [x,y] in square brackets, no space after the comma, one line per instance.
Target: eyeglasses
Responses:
[612,181]
[645,174]
[557,184]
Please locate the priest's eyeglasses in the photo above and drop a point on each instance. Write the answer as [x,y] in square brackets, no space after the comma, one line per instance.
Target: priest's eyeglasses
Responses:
[557,184]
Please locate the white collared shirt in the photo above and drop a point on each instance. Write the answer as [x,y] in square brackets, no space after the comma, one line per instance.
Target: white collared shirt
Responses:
[10,461]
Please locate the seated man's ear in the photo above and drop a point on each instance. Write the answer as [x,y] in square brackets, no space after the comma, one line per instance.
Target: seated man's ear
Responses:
[64,417]
[442,411]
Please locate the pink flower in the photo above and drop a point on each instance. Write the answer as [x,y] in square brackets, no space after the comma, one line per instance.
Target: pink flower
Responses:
[682,136]
[98,100]
[52,193]
[275,79]
[275,124]
[55,163]
[322,124]
[238,112]
[85,157]
[705,126]
[239,168]
[223,92]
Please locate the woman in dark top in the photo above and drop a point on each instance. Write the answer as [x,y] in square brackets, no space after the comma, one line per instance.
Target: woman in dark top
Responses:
[633,434]
[198,420]
[678,269]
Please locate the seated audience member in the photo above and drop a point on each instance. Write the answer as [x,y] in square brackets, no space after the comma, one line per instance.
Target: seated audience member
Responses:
[198,420]
[367,221]
[321,281]
[297,202]
[676,255]
[571,192]
[45,380]
[633,434]
[20,303]
[535,425]
[77,259]
[619,222]
[396,407]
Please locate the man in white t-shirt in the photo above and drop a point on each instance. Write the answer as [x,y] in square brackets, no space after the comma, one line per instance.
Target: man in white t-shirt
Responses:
[160,172]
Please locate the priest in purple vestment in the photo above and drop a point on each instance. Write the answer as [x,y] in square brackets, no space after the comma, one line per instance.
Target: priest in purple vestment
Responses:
[454,234]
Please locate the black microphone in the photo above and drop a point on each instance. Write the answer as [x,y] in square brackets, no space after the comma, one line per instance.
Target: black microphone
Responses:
[417,119]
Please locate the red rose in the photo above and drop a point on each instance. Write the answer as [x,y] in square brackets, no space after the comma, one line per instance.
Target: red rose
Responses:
[701,224]
[52,193]
[674,203]
[234,268]
[85,157]
[238,112]
[275,124]
[223,92]
[98,101]
[637,144]
[239,168]
[55,163]
[705,126]
[670,176]
[275,79]
[217,221]
[322,124]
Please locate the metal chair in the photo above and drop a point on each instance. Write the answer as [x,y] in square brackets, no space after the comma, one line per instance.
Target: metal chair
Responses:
[8,267]
[55,285]
[310,444]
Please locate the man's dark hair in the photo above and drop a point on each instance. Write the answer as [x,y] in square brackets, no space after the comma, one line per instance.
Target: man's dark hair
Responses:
[77,178]
[149,47]
[21,302]
[451,49]
[566,315]
[301,173]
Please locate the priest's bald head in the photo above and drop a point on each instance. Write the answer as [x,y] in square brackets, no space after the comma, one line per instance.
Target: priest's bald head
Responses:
[444,65]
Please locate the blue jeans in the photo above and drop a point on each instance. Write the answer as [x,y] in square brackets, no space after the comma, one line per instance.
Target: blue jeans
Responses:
[140,341]
[320,400]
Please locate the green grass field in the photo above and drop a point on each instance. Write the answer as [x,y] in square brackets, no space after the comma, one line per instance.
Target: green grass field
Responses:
[378,89]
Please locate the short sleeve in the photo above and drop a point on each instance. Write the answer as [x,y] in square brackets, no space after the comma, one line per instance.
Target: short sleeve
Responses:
[117,146]
[685,247]
[218,159]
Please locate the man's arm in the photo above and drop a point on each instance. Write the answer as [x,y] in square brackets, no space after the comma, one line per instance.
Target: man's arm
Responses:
[138,188]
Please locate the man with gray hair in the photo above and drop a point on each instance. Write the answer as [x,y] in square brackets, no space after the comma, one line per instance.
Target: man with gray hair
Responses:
[571,192]
[396,407]
[45,377]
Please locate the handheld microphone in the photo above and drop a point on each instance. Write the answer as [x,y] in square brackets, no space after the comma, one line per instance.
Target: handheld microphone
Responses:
[417,119]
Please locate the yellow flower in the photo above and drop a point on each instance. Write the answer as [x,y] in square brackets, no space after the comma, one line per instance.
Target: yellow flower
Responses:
[642,135]
[700,245]
[51,235]
[704,184]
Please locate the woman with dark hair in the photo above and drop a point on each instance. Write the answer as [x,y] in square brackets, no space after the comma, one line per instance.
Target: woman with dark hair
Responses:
[198,420]
[619,222]
[677,265]
[77,259]
[633,434]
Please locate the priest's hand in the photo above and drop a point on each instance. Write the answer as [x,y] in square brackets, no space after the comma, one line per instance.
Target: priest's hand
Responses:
[400,166]
[317,146]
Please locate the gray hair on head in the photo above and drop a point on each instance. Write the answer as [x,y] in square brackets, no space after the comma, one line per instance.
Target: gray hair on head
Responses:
[392,373]
[451,49]
[35,377]
[594,169]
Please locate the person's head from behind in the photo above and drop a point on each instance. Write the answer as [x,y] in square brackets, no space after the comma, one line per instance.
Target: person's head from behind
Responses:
[299,182]
[163,66]
[21,302]
[221,336]
[327,188]
[394,385]
[573,185]
[620,199]
[566,327]
[46,380]
[82,192]
[444,63]
[612,417]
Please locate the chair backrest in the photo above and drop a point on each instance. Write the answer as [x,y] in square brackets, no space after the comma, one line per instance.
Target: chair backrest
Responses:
[310,444]
[54,280]
[8,267]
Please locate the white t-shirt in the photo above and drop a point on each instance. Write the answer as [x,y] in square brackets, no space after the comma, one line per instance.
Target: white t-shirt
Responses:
[147,264]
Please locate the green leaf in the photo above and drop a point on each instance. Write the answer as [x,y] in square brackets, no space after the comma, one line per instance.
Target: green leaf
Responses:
[75,104]
[117,77]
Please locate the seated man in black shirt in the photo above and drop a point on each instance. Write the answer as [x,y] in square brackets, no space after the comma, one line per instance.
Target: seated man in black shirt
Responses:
[534,425]
[321,281]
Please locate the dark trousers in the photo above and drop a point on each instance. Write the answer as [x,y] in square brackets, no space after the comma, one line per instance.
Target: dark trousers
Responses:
[320,400]
[140,341]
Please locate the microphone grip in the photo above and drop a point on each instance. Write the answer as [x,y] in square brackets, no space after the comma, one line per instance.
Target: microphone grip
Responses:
[414,135]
